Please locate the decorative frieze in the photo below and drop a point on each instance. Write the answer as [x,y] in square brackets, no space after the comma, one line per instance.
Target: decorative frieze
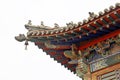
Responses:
[105,62]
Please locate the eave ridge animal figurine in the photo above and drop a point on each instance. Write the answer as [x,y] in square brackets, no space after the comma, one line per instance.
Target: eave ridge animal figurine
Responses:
[92,15]
[77,58]
[31,27]
[74,54]
[20,38]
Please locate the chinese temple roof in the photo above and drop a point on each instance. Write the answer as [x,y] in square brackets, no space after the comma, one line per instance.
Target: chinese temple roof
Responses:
[55,41]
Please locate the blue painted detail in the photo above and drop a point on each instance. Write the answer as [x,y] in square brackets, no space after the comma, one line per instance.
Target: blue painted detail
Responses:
[110,17]
[100,33]
[105,31]
[117,25]
[118,15]
[93,56]
[90,36]
[104,21]
[93,35]
[112,28]
[98,24]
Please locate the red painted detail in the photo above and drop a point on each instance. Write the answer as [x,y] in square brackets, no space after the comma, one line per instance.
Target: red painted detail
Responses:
[100,21]
[39,43]
[58,47]
[92,24]
[58,57]
[73,69]
[69,65]
[64,62]
[45,48]
[94,31]
[102,38]
[61,34]
[107,19]
[68,32]
[112,11]
[87,28]
[118,21]
[78,36]
[113,16]
[77,30]
[118,11]
[52,53]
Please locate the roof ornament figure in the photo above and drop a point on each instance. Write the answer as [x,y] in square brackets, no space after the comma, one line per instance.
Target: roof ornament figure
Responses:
[85,21]
[73,54]
[56,25]
[106,10]
[101,13]
[111,7]
[29,22]
[117,4]
[80,23]
[70,24]
[75,25]
[22,38]
[42,24]
[92,15]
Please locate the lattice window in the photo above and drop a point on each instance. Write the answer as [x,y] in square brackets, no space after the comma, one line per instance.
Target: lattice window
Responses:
[114,75]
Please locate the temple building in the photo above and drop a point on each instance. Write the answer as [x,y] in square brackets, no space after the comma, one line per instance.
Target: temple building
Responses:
[90,49]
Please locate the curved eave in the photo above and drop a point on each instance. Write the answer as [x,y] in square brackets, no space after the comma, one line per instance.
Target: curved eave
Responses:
[100,26]
[106,25]
[99,22]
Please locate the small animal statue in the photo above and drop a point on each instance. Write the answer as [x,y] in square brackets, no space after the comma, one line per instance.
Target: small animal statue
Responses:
[70,24]
[92,14]
[56,25]
[42,23]
[80,23]
[29,22]
[73,54]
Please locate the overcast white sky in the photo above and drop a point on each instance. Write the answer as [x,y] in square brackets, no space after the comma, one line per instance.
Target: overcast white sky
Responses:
[33,64]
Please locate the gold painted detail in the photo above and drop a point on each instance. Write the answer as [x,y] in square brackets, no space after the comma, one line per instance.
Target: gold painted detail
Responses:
[77,58]
[48,45]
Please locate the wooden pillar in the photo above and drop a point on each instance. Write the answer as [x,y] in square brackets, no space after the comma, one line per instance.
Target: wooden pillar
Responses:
[88,76]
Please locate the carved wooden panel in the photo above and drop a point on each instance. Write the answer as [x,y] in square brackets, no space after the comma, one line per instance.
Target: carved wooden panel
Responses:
[113,75]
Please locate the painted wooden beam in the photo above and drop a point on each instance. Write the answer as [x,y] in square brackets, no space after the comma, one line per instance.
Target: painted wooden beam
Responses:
[110,35]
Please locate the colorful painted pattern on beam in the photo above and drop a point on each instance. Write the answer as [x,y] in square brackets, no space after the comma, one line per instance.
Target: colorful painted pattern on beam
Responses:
[87,36]
[105,62]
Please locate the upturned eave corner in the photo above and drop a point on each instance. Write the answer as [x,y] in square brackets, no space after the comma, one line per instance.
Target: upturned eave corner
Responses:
[84,48]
